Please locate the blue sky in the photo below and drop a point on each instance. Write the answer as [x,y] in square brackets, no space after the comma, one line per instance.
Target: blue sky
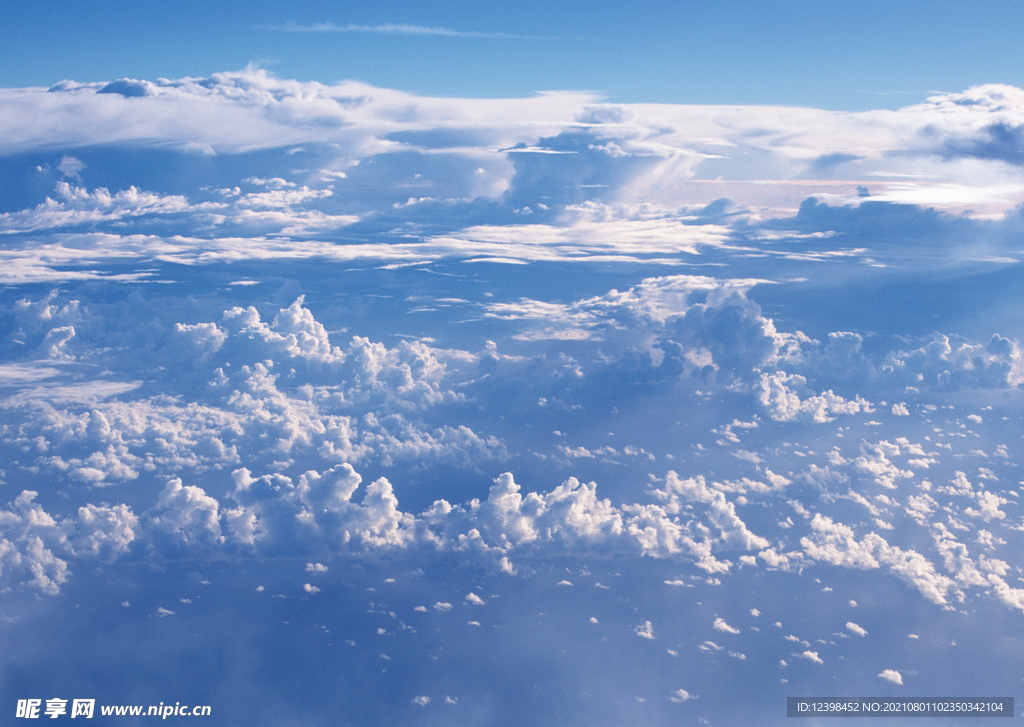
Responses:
[851,56]
[349,374]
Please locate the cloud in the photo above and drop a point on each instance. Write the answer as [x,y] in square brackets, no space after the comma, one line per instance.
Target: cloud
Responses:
[836,544]
[778,394]
[681,695]
[104,533]
[644,630]
[854,628]
[589,232]
[952,362]
[393,29]
[300,350]
[721,625]
[668,155]
[874,461]
[186,517]
[24,552]
[891,675]
[76,207]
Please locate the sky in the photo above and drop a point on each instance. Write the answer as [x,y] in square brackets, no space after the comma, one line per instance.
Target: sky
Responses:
[483,366]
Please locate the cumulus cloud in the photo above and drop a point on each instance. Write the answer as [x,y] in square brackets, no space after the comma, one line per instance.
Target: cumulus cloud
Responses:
[836,544]
[891,675]
[322,505]
[779,394]
[721,625]
[104,532]
[24,552]
[644,630]
[186,517]
[855,629]
[76,206]
[952,362]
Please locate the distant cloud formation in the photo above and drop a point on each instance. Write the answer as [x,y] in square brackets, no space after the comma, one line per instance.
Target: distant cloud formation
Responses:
[955,151]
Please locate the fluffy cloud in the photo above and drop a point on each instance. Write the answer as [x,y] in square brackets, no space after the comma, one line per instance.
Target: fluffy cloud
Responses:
[955,363]
[24,552]
[292,413]
[187,517]
[644,630]
[891,675]
[103,532]
[836,544]
[855,629]
[76,207]
[721,625]
[320,511]
[775,392]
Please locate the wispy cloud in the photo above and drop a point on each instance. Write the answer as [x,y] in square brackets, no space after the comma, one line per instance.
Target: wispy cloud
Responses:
[395,29]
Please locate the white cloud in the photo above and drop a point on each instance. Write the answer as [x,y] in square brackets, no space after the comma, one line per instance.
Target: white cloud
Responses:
[77,206]
[681,695]
[891,675]
[644,630]
[588,235]
[186,517]
[854,628]
[103,532]
[721,625]
[778,393]
[28,538]
[874,461]
[620,172]
[836,544]
[392,29]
